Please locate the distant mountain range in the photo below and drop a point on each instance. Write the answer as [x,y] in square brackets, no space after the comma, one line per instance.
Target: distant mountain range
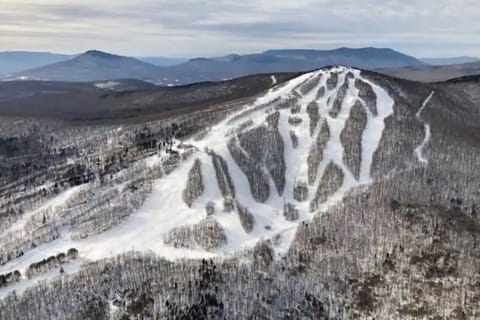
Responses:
[96,65]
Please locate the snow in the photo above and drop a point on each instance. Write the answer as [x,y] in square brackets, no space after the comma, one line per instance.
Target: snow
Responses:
[370,140]
[374,130]
[109,85]
[165,209]
[419,150]
[52,204]
[21,286]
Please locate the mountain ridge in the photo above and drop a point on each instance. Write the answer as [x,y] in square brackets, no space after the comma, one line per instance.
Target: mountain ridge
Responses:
[227,67]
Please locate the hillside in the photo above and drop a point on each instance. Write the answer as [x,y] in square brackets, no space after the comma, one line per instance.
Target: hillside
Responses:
[434,73]
[448,61]
[122,101]
[333,194]
[93,66]
[163,61]
[16,61]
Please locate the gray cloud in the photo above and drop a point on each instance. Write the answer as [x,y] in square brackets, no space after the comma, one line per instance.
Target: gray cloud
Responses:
[208,27]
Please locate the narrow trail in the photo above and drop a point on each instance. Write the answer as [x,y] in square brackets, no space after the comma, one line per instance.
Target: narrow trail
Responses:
[420,149]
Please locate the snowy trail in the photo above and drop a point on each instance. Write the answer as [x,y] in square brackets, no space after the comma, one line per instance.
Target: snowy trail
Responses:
[274,80]
[51,204]
[373,132]
[165,209]
[419,150]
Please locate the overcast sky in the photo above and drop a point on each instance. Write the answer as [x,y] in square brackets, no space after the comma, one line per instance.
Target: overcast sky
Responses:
[188,28]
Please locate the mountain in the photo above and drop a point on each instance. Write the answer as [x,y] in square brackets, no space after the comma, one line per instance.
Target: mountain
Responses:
[162,61]
[332,194]
[448,61]
[93,65]
[232,66]
[434,73]
[366,58]
[19,61]
[16,61]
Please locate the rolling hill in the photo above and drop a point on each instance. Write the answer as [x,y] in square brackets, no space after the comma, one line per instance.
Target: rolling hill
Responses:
[448,61]
[434,73]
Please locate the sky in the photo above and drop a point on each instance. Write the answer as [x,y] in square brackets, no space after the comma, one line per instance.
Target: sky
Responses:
[192,28]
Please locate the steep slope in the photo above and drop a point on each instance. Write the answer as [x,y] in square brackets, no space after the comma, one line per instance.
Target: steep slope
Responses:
[433,73]
[336,194]
[93,66]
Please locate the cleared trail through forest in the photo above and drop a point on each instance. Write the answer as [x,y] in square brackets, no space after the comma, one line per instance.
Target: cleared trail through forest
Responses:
[420,149]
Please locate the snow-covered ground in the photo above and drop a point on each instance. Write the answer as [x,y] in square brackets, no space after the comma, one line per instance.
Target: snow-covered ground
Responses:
[51,204]
[165,209]
[274,80]
[108,85]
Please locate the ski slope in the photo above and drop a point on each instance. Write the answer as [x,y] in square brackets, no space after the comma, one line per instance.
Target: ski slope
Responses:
[165,210]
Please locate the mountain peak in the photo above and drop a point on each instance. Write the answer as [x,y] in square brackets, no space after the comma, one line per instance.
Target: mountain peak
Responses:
[100,54]
[94,65]
[200,59]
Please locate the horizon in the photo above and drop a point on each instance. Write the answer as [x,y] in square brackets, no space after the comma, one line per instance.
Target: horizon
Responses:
[210,28]
[228,53]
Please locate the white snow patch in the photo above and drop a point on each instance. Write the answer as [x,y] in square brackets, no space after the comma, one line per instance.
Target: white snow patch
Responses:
[274,80]
[25,283]
[109,85]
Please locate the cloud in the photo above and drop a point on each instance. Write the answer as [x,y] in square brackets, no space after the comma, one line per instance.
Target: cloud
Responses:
[208,27]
